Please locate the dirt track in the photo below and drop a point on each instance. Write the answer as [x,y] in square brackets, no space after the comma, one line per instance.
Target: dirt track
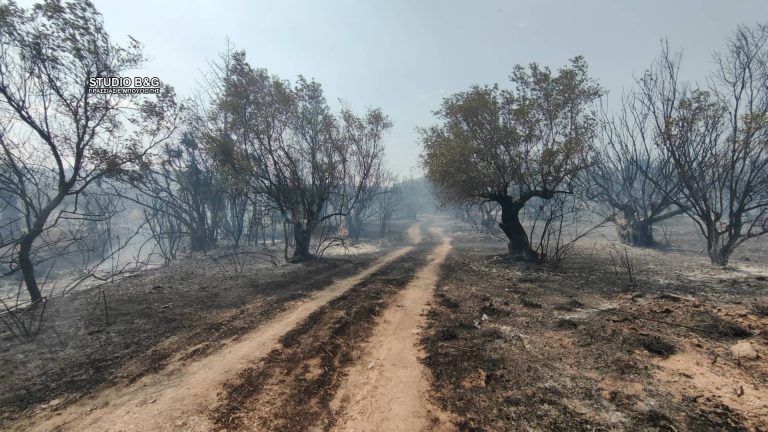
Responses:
[195,396]
[386,388]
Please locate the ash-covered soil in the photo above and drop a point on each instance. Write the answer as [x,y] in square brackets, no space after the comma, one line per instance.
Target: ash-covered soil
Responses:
[514,346]
[179,312]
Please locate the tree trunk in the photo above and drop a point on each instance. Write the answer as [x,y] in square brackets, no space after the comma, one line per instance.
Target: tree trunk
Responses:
[237,234]
[253,230]
[718,248]
[519,246]
[719,257]
[354,225]
[28,269]
[384,218]
[383,225]
[635,232]
[302,234]
[488,221]
[198,242]
[25,247]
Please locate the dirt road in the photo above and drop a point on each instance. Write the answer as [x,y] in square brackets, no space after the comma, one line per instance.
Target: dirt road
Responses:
[387,389]
[320,341]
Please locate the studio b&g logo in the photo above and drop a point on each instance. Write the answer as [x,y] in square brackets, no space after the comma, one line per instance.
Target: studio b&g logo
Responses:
[124,85]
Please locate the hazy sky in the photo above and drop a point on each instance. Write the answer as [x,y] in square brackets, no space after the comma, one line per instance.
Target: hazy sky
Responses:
[405,56]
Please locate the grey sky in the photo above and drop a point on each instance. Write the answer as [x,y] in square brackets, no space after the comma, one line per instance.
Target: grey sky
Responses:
[406,55]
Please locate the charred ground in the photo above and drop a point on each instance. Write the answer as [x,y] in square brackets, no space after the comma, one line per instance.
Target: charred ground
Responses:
[178,312]
[508,345]
[521,347]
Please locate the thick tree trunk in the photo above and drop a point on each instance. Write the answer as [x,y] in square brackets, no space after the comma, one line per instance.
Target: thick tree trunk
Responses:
[719,257]
[211,239]
[519,246]
[28,269]
[199,235]
[198,242]
[302,234]
[719,248]
[635,232]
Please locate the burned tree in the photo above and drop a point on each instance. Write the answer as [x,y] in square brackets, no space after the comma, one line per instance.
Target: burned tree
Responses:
[481,214]
[412,191]
[183,186]
[637,183]
[717,139]
[57,139]
[295,150]
[217,129]
[387,203]
[196,187]
[510,146]
[366,170]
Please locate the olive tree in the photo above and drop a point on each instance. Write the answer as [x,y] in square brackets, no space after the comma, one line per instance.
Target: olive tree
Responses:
[509,146]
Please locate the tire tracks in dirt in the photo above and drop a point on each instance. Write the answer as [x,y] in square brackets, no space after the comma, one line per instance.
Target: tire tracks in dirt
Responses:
[182,395]
[291,389]
[387,389]
[353,364]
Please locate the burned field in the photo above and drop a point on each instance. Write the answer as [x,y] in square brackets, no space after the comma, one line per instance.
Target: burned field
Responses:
[656,340]
[516,346]
[168,315]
